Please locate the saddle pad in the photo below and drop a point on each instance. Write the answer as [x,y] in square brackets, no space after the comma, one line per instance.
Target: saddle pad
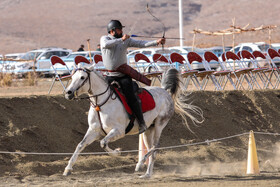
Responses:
[147,101]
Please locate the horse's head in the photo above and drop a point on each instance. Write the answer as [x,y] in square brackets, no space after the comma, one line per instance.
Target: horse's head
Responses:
[80,83]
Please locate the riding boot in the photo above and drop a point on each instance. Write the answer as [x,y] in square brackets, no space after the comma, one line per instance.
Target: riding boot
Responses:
[136,108]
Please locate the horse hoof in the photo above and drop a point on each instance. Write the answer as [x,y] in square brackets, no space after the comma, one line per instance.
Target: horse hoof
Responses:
[102,144]
[116,152]
[139,166]
[67,172]
[146,176]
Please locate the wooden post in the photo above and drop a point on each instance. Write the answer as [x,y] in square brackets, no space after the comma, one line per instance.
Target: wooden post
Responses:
[90,59]
[223,41]
[269,36]
[193,40]
[233,38]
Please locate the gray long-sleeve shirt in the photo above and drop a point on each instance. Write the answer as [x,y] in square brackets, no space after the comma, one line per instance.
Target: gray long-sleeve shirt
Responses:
[114,51]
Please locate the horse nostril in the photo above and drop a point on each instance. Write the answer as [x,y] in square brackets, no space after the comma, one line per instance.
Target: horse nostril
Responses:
[69,92]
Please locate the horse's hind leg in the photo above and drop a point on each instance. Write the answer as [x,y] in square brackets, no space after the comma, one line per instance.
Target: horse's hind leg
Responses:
[113,135]
[151,140]
[141,160]
[90,136]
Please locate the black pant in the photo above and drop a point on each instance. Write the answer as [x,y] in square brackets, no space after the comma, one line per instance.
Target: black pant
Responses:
[126,84]
[127,87]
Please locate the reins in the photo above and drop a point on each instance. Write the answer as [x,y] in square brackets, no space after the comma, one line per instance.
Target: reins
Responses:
[96,106]
[88,78]
[90,90]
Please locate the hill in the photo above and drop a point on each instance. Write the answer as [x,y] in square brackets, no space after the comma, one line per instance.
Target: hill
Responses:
[29,24]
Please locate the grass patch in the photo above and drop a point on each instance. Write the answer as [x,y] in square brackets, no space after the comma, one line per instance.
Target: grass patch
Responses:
[30,79]
[6,79]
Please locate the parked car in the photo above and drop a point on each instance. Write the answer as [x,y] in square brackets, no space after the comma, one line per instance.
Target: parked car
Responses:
[195,65]
[70,61]
[149,52]
[71,56]
[13,56]
[258,46]
[218,50]
[276,46]
[8,58]
[39,59]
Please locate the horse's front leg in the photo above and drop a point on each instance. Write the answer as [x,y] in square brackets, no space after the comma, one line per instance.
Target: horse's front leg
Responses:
[113,135]
[90,136]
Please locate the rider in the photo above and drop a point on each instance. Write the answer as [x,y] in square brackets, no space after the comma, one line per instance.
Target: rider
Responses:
[114,49]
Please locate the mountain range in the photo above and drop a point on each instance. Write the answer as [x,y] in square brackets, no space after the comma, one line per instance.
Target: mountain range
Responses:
[30,24]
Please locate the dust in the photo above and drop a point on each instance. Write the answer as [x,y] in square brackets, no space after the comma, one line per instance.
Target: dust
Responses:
[200,163]
[213,168]
[271,162]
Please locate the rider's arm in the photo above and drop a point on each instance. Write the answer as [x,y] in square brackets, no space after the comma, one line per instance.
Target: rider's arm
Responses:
[107,42]
[141,43]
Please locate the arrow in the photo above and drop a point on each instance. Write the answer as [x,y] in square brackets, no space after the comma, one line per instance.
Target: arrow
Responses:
[133,35]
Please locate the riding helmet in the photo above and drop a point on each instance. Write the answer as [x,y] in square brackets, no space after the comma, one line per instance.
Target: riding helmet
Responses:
[114,24]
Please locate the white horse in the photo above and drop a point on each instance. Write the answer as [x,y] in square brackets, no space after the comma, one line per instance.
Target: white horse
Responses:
[107,118]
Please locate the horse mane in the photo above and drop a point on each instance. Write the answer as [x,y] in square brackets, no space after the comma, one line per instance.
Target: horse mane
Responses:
[100,75]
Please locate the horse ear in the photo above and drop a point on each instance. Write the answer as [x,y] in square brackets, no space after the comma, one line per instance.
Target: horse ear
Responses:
[91,68]
[79,65]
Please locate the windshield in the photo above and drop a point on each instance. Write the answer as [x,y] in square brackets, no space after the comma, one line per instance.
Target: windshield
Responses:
[95,53]
[74,55]
[264,47]
[197,50]
[276,48]
[30,55]
[163,51]
[188,49]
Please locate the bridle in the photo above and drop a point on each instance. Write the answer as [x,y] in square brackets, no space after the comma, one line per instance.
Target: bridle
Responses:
[95,104]
[91,95]
[88,78]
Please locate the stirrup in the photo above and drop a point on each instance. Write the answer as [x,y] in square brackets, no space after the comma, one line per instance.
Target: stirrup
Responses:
[115,84]
[142,129]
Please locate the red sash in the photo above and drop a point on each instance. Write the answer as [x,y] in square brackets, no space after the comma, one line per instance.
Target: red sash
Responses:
[127,70]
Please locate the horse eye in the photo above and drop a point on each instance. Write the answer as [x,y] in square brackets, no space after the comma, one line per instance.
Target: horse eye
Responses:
[82,77]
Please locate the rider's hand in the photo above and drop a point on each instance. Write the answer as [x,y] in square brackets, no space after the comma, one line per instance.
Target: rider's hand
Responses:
[125,36]
[161,41]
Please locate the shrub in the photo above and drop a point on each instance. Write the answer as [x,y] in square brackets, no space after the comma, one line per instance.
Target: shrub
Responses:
[6,79]
[31,79]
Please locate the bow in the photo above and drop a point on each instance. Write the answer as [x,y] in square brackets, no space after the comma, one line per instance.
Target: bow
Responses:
[163,26]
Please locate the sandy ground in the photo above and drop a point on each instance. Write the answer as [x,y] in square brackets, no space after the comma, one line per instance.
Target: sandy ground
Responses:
[31,121]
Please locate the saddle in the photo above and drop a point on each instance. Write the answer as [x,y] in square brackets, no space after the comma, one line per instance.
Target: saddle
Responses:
[146,98]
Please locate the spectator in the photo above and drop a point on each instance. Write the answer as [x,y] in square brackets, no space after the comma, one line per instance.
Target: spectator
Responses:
[98,48]
[81,48]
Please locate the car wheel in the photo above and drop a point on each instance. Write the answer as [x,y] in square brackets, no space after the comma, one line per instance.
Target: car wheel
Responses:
[219,68]
[250,65]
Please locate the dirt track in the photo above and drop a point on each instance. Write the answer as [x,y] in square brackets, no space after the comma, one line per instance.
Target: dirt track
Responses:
[53,124]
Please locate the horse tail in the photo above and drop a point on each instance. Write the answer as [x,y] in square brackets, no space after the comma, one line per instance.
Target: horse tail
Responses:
[171,81]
